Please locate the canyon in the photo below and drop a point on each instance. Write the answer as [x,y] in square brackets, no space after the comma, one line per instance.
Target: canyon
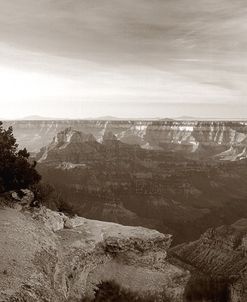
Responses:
[180,177]
[164,189]
[183,178]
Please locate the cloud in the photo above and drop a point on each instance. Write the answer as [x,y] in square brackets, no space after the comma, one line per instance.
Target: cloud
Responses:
[180,51]
[113,29]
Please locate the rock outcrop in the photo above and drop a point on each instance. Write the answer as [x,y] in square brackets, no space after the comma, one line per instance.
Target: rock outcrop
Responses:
[69,145]
[26,198]
[220,253]
[47,256]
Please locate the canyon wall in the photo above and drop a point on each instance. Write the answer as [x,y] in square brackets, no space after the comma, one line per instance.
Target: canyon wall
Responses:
[198,137]
[125,183]
[221,254]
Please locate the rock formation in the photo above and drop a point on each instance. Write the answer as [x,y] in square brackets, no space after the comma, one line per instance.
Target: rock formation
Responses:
[69,145]
[47,256]
[197,138]
[220,253]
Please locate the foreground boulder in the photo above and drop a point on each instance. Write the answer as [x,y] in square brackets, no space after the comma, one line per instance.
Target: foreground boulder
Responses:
[43,260]
[24,198]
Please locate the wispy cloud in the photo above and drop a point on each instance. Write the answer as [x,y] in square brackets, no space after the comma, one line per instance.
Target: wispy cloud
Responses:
[142,51]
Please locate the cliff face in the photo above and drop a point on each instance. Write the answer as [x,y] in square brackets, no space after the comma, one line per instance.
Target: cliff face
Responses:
[76,147]
[196,137]
[220,252]
[46,256]
[69,145]
[125,183]
[203,138]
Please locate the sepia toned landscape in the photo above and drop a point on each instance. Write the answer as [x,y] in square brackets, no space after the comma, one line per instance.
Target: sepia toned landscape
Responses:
[123,151]
[106,186]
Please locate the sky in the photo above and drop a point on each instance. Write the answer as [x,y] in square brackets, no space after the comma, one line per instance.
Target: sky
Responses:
[136,59]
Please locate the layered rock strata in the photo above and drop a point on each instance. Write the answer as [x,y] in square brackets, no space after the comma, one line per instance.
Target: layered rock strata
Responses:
[228,139]
[220,253]
[47,256]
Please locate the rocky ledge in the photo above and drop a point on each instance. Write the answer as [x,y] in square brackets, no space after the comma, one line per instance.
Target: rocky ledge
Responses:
[47,256]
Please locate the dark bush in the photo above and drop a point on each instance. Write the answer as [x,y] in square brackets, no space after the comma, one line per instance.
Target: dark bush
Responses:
[48,196]
[16,172]
[205,288]
[110,291]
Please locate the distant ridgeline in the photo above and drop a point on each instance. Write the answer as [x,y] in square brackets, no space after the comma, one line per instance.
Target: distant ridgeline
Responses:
[224,139]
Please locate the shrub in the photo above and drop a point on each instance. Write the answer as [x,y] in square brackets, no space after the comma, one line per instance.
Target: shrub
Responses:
[110,291]
[47,195]
[206,288]
[16,172]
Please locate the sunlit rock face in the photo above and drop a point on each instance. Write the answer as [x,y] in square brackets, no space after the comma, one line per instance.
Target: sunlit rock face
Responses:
[75,147]
[48,256]
[205,139]
[69,145]
[70,135]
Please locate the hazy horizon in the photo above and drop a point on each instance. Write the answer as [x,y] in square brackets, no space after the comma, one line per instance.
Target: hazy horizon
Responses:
[142,59]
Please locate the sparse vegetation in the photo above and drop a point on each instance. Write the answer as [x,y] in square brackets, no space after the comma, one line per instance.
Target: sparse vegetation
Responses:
[205,288]
[16,171]
[47,195]
[110,291]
